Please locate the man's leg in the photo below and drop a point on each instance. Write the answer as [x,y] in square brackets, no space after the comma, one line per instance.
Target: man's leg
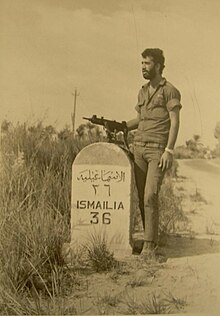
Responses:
[140,171]
[152,186]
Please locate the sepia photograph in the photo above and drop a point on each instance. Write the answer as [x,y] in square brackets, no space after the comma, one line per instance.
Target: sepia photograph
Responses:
[109,157]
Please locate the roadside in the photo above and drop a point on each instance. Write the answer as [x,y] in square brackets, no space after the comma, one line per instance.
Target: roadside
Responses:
[195,270]
[189,281]
[200,180]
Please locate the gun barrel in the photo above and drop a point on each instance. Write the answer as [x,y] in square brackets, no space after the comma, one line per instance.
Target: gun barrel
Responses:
[110,125]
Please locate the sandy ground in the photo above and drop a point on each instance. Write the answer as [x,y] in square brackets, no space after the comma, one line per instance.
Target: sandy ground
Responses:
[195,266]
[202,177]
[190,279]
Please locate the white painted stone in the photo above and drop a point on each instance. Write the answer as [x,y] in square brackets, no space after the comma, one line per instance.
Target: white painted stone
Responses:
[101,203]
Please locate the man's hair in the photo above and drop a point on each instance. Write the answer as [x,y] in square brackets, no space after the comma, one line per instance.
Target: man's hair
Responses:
[157,55]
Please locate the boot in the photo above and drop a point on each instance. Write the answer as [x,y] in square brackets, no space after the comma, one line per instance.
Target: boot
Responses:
[150,252]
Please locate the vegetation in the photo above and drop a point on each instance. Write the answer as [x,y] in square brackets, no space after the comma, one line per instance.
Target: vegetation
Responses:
[217,136]
[192,149]
[153,304]
[172,218]
[35,195]
[197,197]
[98,254]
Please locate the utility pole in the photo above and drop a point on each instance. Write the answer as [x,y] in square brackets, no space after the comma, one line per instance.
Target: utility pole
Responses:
[73,115]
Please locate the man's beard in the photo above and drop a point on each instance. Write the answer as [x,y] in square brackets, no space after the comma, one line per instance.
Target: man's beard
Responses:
[149,75]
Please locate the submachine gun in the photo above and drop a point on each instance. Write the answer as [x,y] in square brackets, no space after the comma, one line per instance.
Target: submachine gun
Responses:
[112,128]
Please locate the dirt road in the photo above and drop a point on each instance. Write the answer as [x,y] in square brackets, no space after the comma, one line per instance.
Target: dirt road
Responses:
[196,271]
[201,180]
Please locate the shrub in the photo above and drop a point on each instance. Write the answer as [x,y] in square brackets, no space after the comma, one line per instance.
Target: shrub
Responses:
[154,305]
[99,256]
[173,171]
[170,208]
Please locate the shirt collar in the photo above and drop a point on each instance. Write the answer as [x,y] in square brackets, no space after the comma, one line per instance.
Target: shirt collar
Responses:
[161,83]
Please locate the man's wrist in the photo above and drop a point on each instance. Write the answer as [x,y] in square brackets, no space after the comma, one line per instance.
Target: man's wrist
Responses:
[169,150]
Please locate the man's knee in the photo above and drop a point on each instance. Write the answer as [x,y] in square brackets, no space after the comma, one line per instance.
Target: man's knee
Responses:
[151,199]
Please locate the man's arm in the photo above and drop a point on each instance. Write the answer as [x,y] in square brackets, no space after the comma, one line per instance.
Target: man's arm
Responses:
[133,124]
[167,158]
[174,127]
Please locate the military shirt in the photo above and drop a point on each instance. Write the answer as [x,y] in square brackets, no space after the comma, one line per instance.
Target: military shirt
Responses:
[154,111]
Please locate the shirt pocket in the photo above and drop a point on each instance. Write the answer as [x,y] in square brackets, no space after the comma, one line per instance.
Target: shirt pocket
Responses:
[141,108]
[158,101]
[158,108]
[145,111]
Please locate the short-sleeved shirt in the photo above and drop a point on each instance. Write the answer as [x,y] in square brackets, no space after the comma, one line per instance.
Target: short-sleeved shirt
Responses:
[154,111]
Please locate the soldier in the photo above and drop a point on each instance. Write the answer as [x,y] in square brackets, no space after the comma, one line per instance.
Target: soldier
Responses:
[157,125]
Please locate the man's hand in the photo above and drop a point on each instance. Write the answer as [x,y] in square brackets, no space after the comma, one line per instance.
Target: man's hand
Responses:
[166,161]
[133,124]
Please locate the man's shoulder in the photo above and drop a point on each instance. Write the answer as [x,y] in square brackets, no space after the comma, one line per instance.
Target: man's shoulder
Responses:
[170,88]
[143,89]
[169,85]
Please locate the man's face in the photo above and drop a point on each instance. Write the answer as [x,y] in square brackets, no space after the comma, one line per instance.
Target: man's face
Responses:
[149,70]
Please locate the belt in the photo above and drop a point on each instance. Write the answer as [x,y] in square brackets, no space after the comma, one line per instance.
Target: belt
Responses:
[150,145]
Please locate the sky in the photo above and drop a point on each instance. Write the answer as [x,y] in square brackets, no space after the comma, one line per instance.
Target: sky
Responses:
[49,48]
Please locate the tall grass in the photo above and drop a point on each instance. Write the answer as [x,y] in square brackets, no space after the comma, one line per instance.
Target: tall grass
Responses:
[47,159]
[35,195]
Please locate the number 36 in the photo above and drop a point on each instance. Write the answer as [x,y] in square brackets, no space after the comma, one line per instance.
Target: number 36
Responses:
[105,218]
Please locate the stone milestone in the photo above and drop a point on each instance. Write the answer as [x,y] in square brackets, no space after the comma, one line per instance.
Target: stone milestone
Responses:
[101,202]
